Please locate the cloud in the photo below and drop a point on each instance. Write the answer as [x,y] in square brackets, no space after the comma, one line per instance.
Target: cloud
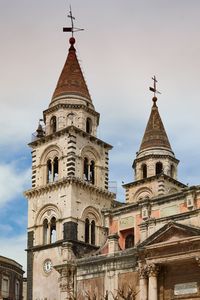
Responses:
[12,182]
[14,248]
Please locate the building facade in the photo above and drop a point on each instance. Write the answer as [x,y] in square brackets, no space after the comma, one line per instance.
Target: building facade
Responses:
[83,243]
[11,279]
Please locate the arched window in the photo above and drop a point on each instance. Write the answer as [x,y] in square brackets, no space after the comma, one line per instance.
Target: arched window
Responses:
[55,169]
[49,171]
[89,170]
[53,230]
[85,169]
[87,230]
[129,241]
[144,171]
[52,170]
[159,168]
[92,166]
[53,124]
[45,232]
[172,171]
[93,232]
[88,125]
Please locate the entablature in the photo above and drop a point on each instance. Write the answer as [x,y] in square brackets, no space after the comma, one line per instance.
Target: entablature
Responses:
[70,180]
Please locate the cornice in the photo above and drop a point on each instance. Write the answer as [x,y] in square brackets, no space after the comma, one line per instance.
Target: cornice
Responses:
[176,217]
[118,210]
[70,106]
[68,129]
[154,156]
[152,178]
[10,262]
[70,180]
[106,258]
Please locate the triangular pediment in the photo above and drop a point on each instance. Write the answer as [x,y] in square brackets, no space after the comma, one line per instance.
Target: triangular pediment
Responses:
[171,232]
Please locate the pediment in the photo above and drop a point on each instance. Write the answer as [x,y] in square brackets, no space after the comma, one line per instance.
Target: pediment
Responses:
[171,232]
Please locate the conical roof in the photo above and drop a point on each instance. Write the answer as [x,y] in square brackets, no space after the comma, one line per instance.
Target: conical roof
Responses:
[155,135]
[71,80]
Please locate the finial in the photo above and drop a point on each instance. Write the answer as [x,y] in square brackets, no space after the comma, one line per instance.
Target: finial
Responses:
[154,90]
[40,131]
[71,29]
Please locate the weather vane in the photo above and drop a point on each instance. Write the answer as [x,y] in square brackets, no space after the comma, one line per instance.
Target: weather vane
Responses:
[154,88]
[71,29]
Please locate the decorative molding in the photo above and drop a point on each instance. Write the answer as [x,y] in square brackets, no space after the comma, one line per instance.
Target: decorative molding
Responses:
[64,182]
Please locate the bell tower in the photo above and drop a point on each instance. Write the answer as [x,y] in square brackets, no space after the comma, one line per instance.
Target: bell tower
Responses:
[155,165]
[69,182]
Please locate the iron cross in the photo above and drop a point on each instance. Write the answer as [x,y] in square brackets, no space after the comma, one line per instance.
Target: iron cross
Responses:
[154,88]
[71,29]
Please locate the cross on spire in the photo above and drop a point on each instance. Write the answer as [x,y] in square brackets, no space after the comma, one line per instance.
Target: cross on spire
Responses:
[71,29]
[154,88]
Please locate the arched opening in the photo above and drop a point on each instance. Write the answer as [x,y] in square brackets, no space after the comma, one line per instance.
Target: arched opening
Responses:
[55,169]
[45,231]
[5,286]
[172,171]
[85,169]
[53,230]
[159,168]
[129,241]
[17,289]
[49,171]
[87,229]
[88,125]
[93,232]
[52,170]
[92,168]
[53,124]
[144,171]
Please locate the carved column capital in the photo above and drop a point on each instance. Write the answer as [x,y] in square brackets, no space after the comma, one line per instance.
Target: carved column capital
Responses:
[142,271]
[153,270]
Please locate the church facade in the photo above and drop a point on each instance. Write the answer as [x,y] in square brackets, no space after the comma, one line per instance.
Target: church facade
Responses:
[82,243]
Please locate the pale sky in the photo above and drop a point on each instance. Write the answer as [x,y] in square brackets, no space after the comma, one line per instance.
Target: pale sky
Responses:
[124,44]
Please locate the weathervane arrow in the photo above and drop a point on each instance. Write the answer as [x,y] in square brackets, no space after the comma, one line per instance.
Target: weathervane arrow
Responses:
[71,29]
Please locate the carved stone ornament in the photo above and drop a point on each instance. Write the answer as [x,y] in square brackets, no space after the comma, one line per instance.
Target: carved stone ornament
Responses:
[66,280]
[153,270]
[142,271]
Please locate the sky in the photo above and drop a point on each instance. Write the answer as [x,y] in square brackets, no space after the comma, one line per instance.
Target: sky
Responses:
[124,43]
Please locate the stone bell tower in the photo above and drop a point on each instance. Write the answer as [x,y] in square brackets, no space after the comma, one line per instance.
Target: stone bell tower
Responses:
[155,165]
[69,184]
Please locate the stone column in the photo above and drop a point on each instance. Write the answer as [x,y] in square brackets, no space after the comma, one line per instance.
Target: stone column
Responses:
[67,271]
[153,289]
[143,282]
[66,281]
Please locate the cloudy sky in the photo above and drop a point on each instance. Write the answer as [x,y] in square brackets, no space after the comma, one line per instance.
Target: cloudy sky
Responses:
[124,44]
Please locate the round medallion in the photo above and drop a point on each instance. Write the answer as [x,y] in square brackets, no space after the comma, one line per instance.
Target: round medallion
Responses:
[47,266]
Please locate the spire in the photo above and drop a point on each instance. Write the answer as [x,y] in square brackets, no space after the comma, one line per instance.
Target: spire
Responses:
[155,135]
[71,80]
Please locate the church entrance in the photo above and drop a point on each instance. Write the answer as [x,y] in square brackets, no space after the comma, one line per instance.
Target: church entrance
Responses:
[179,280]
